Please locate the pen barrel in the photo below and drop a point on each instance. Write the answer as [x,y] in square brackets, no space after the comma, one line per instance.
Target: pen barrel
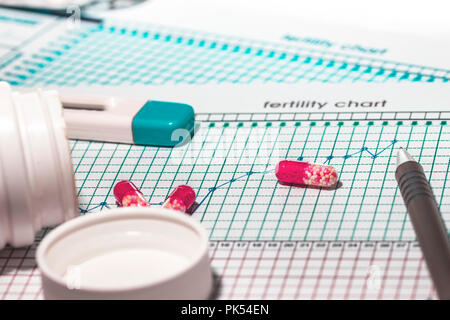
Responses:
[427,222]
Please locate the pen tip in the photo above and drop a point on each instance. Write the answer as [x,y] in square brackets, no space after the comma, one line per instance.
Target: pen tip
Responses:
[403,156]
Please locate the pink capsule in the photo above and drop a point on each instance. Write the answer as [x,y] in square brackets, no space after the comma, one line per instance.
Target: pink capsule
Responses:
[308,174]
[181,199]
[128,195]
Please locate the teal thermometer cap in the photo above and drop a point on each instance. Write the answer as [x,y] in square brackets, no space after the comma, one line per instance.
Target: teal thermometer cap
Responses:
[127,120]
[160,123]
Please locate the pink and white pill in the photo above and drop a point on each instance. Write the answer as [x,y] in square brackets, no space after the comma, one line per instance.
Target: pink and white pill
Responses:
[305,173]
[181,199]
[128,195]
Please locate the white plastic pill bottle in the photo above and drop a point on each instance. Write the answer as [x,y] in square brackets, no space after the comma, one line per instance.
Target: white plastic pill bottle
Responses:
[37,186]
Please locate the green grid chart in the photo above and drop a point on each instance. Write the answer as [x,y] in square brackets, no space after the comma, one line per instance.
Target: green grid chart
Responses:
[230,166]
[118,53]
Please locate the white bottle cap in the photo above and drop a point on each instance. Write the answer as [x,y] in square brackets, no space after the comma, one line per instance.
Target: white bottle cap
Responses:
[37,186]
[126,253]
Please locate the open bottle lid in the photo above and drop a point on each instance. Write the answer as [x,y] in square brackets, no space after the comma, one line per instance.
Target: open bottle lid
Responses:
[126,253]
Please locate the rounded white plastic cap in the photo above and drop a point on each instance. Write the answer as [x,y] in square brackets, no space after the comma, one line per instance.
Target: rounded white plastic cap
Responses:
[126,253]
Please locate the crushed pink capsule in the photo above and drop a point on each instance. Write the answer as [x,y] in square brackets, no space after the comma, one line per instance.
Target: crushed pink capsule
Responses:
[181,199]
[309,174]
[128,195]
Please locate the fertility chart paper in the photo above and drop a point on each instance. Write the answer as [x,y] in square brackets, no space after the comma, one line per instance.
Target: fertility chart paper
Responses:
[266,240]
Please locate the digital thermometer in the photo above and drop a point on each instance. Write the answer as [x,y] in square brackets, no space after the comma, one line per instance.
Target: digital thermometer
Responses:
[132,121]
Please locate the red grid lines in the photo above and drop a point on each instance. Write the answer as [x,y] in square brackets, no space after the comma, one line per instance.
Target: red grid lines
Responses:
[278,270]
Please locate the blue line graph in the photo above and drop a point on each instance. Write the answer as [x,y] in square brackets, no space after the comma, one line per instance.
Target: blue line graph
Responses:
[363,149]
[101,205]
[211,190]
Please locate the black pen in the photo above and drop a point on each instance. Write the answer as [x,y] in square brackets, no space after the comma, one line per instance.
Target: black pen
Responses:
[426,219]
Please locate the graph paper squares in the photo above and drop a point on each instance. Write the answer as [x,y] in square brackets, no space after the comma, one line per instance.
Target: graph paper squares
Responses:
[235,205]
[231,169]
[230,166]
[112,54]
[278,270]
[327,270]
